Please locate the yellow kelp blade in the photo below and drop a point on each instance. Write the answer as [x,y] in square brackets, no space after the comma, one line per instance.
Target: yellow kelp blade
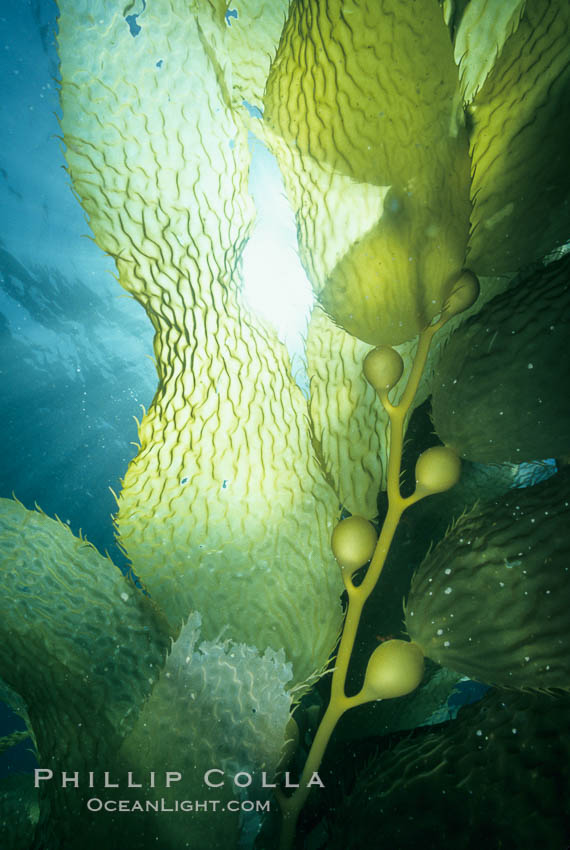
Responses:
[250,40]
[520,129]
[484,28]
[347,417]
[370,91]
[350,425]
[225,509]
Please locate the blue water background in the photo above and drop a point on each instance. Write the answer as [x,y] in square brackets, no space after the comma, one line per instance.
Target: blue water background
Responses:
[74,369]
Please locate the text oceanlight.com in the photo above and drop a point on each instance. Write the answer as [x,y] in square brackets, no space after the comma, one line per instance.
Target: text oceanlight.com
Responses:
[95,804]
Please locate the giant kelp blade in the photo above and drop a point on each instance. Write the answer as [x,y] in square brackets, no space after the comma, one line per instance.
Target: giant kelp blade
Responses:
[369,92]
[480,35]
[497,776]
[362,86]
[82,647]
[520,128]
[500,386]
[215,703]
[491,600]
[224,510]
